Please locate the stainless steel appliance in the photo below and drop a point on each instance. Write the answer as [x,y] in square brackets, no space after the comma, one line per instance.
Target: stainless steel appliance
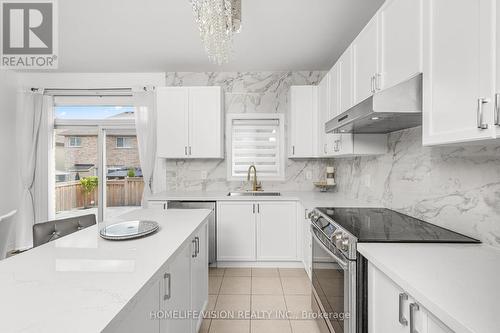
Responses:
[339,272]
[212,224]
[334,276]
[389,110]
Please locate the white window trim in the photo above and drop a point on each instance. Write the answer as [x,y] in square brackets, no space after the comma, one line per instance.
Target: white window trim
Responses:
[125,138]
[229,144]
[74,146]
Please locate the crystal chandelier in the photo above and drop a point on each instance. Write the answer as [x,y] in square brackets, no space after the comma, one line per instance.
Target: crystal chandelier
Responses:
[218,21]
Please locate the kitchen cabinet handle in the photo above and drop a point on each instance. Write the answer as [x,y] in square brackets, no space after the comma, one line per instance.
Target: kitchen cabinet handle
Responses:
[480,109]
[194,243]
[402,298]
[197,239]
[167,294]
[413,308]
[497,109]
[189,150]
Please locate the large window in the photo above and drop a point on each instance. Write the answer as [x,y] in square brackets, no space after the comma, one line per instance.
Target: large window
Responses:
[256,139]
[93,173]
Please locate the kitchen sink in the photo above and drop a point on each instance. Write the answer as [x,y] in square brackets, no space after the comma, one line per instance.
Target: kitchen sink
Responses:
[253,193]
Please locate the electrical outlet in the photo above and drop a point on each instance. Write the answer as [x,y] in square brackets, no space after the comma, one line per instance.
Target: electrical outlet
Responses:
[204,175]
[309,175]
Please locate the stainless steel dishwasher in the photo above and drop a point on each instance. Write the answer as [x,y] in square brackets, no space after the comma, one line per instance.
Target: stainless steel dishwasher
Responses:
[212,225]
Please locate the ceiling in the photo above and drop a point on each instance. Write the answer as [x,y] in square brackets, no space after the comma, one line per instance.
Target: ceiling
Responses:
[161,35]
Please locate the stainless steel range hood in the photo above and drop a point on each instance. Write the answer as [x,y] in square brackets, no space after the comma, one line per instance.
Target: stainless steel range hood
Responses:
[389,110]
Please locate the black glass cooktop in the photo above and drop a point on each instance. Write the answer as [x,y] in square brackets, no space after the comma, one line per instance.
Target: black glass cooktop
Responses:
[385,225]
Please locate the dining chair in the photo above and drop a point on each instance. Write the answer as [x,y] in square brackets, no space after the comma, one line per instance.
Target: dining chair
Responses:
[48,231]
[6,224]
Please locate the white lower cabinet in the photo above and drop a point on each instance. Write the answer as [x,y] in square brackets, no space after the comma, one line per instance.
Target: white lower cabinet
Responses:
[138,316]
[247,231]
[276,231]
[176,291]
[181,286]
[199,274]
[235,231]
[392,310]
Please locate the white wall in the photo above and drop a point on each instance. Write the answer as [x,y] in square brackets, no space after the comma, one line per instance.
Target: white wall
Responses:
[8,153]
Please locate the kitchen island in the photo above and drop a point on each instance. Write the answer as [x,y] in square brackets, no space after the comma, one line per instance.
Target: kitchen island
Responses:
[83,283]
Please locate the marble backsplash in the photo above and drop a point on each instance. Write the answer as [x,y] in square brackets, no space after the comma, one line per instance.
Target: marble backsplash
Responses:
[454,187]
[245,92]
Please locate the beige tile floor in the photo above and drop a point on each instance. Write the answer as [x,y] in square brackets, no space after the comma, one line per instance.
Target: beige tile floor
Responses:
[259,290]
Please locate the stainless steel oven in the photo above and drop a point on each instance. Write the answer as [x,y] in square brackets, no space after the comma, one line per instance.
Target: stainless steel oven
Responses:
[334,285]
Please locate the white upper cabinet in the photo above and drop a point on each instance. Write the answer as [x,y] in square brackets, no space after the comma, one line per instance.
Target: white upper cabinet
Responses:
[340,145]
[365,55]
[458,71]
[334,89]
[303,122]
[345,145]
[205,122]
[190,122]
[172,106]
[325,141]
[400,38]
[346,80]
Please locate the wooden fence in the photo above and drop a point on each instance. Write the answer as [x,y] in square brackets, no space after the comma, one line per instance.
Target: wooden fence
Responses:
[121,192]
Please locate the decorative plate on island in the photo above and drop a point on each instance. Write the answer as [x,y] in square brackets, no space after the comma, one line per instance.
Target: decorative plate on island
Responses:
[129,230]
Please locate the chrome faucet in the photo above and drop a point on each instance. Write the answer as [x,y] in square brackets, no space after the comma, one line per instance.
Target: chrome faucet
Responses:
[255,186]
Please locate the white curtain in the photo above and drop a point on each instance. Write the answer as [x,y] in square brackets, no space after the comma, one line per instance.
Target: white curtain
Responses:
[145,124]
[32,108]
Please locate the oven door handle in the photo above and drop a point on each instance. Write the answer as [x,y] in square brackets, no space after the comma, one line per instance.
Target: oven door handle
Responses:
[342,262]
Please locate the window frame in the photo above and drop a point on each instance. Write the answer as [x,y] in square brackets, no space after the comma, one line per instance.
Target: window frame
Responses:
[74,137]
[124,139]
[281,145]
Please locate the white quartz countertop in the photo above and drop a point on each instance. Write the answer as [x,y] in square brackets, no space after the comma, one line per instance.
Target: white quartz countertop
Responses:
[309,199]
[458,283]
[80,282]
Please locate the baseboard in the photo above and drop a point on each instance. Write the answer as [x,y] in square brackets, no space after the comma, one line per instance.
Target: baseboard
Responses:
[278,264]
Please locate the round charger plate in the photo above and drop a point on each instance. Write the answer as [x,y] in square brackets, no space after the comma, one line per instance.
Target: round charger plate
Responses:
[129,230]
